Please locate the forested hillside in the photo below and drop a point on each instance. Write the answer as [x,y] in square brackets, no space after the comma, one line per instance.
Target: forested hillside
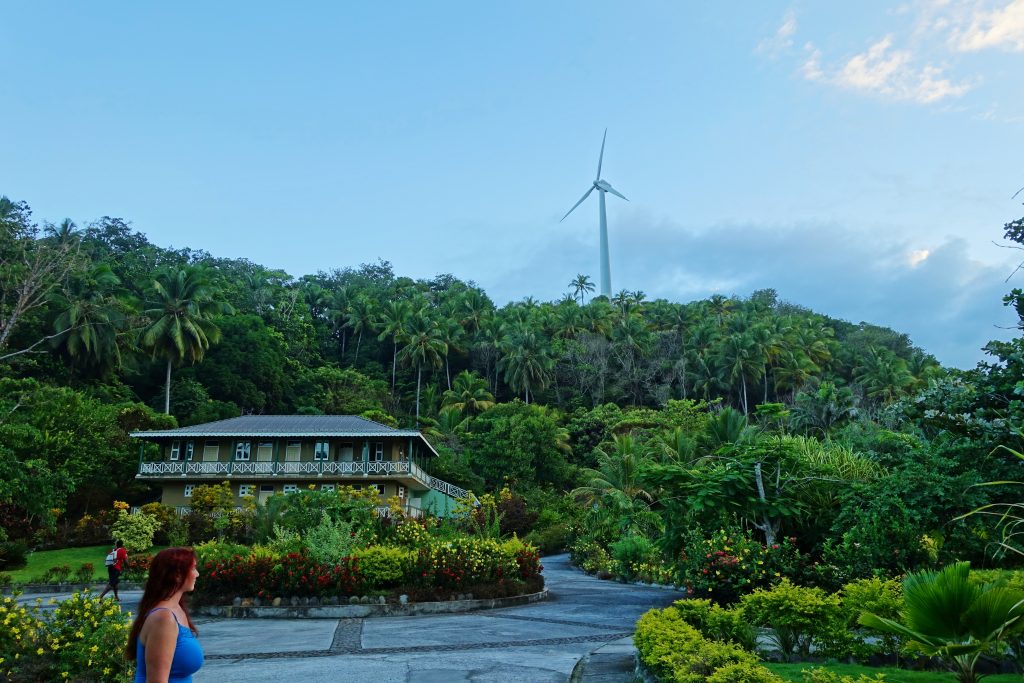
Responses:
[102,332]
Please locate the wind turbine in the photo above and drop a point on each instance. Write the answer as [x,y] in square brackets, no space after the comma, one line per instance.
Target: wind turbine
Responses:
[603,187]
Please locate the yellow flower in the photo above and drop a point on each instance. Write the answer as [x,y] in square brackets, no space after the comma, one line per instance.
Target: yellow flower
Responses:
[40,651]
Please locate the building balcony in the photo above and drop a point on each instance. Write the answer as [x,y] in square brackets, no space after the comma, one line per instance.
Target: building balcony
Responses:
[407,472]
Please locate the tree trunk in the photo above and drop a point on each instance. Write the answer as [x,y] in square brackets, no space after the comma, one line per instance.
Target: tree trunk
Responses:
[167,394]
[359,340]
[394,363]
[419,374]
[448,372]
[766,525]
[743,380]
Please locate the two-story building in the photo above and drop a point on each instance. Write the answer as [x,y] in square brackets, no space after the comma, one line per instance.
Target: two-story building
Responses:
[264,455]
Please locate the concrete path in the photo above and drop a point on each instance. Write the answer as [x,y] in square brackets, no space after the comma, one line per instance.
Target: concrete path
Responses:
[532,643]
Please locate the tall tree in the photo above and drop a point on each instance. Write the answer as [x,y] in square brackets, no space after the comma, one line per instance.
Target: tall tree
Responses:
[424,347]
[581,285]
[392,321]
[181,309]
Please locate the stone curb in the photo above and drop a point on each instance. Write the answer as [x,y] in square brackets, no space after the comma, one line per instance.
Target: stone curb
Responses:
[613,662]
[35,588]
[363,611]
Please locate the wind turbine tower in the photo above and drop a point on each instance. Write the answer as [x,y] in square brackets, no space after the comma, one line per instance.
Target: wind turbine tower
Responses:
[603,187]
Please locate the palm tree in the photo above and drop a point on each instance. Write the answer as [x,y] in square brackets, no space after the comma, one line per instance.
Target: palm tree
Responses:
[947,615]
[581,285]
[65,233]
[468,395]
[360,319]
[424,347]
[392,322]
[738,356]
[616,486]
[527,363]
[823,408]
[883,375]
[451,334]
[182,306]
[91,318]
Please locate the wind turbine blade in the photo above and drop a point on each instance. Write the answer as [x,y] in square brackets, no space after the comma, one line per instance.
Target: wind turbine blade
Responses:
[600,159]
[585,195]
[616,192]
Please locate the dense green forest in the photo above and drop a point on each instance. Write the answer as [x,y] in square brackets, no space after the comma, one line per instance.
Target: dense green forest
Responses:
[103,332]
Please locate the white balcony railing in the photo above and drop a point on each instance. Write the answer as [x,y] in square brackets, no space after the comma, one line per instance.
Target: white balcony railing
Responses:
[318,468]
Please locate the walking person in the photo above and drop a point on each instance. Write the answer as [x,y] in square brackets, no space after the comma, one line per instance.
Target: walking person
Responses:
[115,562]
[163,640]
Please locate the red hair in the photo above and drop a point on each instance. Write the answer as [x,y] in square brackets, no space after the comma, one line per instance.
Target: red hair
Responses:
[168,572]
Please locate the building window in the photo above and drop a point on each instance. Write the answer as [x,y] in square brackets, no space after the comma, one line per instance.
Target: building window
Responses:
[267,489]
[327,487]
[290,488]
[175,450]
[246,489]
[322,450]
[376,451]
[379,488]
[188,490]
[190,448]
[293,453]
[242,450]
[401,491]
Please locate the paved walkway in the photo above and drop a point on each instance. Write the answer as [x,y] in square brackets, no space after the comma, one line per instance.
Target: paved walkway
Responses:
[533,643]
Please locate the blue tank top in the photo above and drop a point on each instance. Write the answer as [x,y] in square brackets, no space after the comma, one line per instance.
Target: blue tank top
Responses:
[188,655]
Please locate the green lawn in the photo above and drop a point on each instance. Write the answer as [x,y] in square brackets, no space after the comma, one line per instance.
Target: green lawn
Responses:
[39,562]
[791,672]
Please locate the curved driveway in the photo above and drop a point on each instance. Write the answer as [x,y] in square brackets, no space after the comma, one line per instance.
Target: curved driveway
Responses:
[532,643]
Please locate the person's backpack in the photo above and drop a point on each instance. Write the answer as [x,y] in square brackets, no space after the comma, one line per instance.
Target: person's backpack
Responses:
[111,558]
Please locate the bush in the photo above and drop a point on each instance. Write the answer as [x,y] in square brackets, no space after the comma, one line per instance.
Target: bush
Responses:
[331,540]
[726,565]
[383,566]
[136,568]
[13,554]
[630,552]
[826,676]
[82,641]
[798,617]
[717,623]
[675,651]
[591,557]
[550,540]
[85,573]
[878,596]
[59,574]
[5,580]
[411,534]
[136,530]
[744,672]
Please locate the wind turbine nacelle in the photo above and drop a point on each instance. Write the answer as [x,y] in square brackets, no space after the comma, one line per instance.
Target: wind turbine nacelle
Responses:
[602,185]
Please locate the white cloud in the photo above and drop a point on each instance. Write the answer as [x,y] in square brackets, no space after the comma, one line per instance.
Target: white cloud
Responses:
[886,72]
[983,28]
[782,41]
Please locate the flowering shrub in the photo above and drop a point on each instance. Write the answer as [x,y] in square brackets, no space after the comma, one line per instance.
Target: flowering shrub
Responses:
[58,574]
[411,534]
[82,641]
[295,574]
[136,568]
[93,529]
[591,557]
[384,566]
[731,563]
[473,562]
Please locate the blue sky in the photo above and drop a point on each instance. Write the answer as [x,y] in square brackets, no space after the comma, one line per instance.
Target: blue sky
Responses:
[857,157]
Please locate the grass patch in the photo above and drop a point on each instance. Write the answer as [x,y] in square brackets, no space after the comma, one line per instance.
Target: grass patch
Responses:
[791,672]
[40,561]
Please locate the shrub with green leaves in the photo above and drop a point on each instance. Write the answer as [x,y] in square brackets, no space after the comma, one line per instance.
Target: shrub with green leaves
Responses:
[819,675]
[878,596]
[798,617]
[631,552]
[673,650]
[331,539]
[136,530]
[383,566]
[718,623]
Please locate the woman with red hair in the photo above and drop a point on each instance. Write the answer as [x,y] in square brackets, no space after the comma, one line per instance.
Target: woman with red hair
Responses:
[163,638]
